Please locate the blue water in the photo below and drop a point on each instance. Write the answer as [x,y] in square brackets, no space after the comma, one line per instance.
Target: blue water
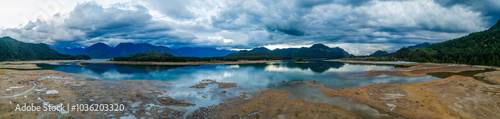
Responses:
[249,78]
[329,73]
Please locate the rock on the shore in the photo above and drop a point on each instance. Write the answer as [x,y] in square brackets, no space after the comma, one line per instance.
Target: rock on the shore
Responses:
[52,92]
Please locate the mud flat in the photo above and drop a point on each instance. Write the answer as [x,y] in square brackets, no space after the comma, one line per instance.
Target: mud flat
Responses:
[272,104]
[39,87]
[19,66]
[416,69]
[41,61]
[453,97]
[183,63]
[145,99]
[493,77]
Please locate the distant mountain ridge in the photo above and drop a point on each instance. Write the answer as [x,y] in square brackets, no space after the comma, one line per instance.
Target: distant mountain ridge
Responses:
[423,45]
[379,52]
[202,52]
[101,50]
[496,26]
[12,50]
[315,51]
[256,56]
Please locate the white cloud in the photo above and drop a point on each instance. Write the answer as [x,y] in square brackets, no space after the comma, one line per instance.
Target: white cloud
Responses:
[424,14]
[359,26]
[367,48]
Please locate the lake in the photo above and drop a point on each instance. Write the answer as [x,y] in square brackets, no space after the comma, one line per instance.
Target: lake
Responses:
[249,78]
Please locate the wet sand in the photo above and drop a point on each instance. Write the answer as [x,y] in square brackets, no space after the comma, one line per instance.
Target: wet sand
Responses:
[41,61]
[221,85]
[52,87]
[273,104]
[415,69]
[19,66]
[493,76]
[184,63]
[143,99]
[452,97]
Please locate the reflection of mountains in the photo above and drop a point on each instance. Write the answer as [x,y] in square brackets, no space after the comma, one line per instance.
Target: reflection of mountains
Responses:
[101,68]
[47,66]
[317,66]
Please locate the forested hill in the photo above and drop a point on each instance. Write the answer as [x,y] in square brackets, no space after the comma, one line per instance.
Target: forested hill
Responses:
[379,53]
[496,26]
[480,48]
[13,50]
[423,45]
[315,51]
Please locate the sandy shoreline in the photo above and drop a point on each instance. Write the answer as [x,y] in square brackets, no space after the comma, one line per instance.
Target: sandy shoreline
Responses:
[417,69]
[451,97]
[184,63]
[40,61]
[139,97]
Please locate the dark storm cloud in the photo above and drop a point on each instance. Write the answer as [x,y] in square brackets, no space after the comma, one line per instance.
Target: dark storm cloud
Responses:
[290,30]
[340,21]
[489,8]
[173,8]
[90,23]
[124,23]
[360,26]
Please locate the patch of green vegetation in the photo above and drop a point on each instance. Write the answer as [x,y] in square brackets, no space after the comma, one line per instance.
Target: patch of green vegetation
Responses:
[465,73]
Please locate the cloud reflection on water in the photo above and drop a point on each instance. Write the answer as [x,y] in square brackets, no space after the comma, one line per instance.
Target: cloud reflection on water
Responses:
[249,78]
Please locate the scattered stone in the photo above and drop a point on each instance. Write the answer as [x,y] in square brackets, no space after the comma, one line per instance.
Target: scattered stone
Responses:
[51,92]
[170,101]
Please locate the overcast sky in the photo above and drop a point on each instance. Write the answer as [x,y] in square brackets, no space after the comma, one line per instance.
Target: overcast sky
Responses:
[359,26]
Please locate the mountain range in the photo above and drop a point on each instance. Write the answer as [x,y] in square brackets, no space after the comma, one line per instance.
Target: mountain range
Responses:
[101,50]
[379,52]
[423,45]
[249,55]
[315,51]
[13,50]
[202,52]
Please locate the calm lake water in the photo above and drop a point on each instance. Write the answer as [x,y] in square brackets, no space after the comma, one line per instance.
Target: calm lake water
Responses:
[250,78]
[267,75]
